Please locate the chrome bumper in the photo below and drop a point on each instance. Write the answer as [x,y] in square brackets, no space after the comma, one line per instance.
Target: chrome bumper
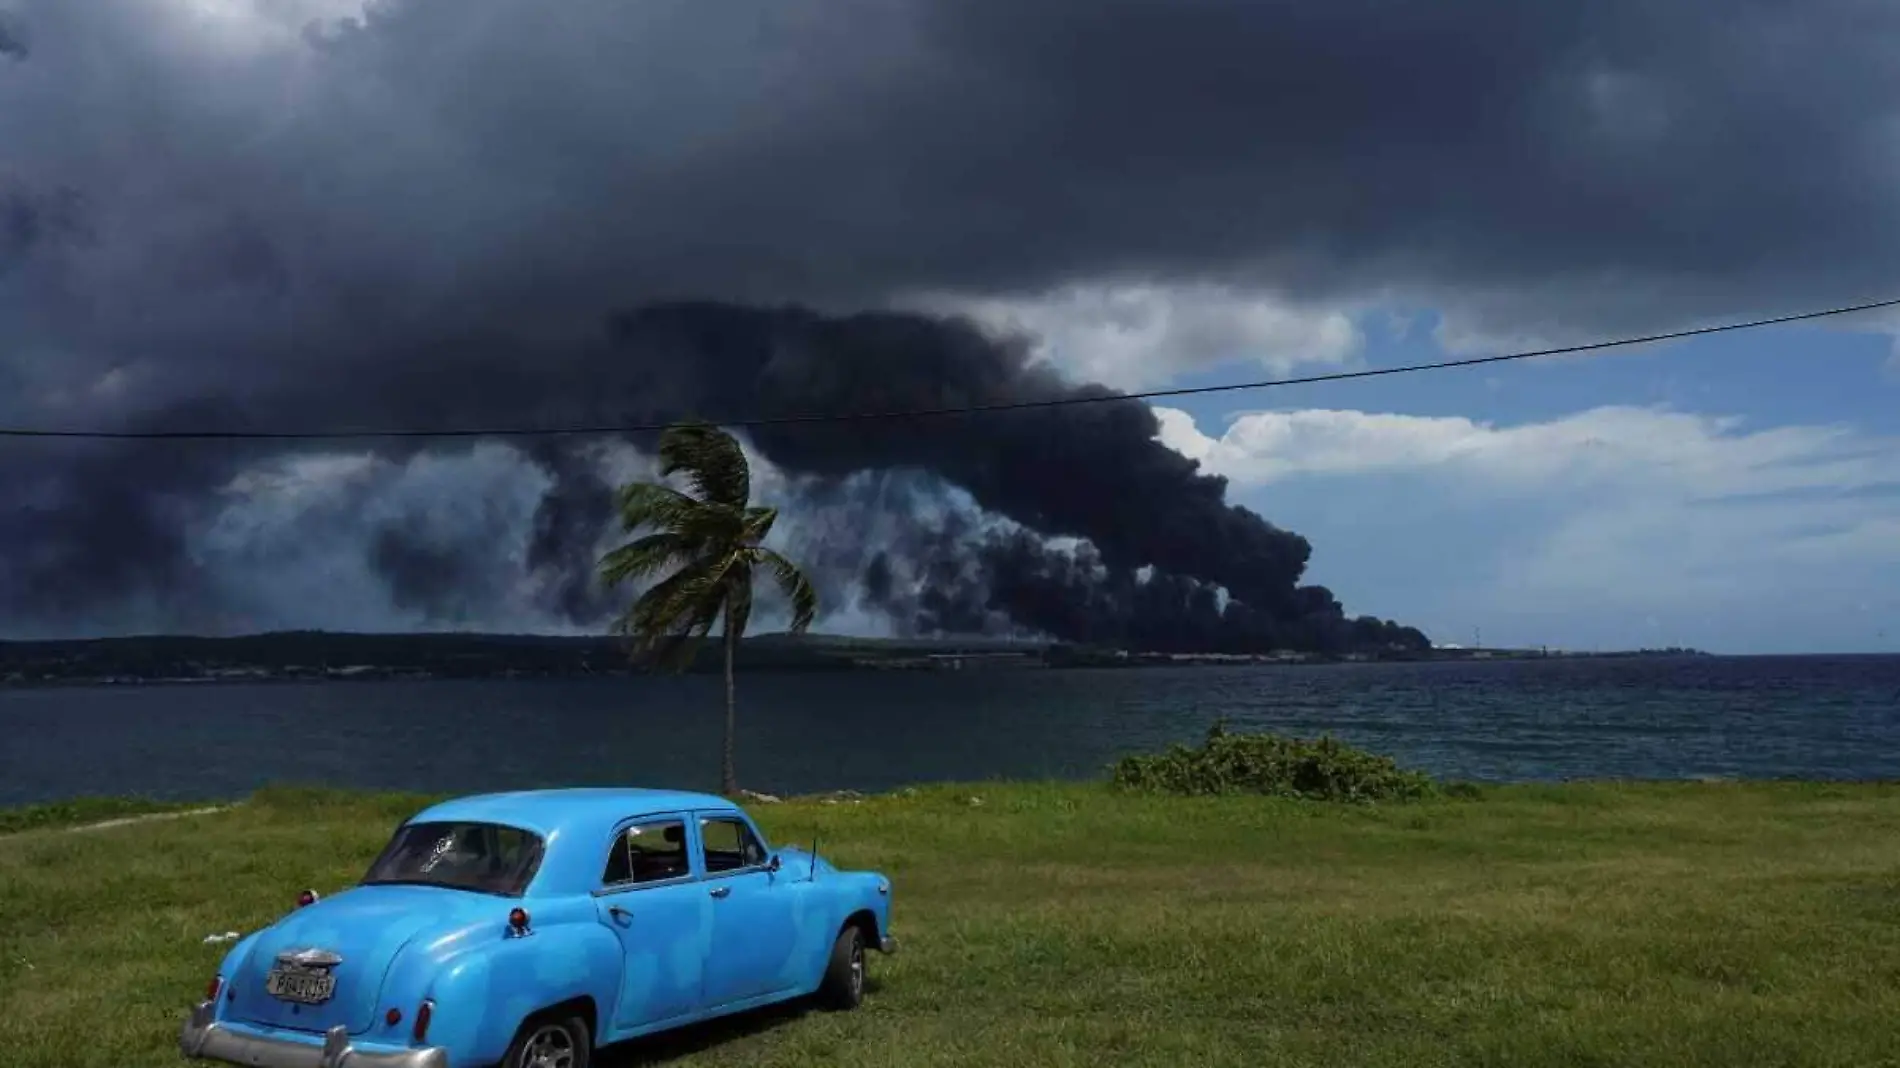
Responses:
[204,1037]
[887,944]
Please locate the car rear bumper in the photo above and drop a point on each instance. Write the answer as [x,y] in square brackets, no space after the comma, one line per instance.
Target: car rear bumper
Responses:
[205,1038]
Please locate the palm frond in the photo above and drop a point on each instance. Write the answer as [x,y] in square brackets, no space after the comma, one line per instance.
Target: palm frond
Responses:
[758,523]
[698,523]
[680,598]
[644,556]
[654,504]
[677,651]
[794,585]
[667,622]
[711,460]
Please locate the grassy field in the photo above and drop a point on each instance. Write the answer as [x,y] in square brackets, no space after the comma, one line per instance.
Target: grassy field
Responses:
[84,810]
[1705,924]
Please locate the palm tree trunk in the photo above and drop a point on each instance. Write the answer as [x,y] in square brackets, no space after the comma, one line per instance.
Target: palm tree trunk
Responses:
[728,778]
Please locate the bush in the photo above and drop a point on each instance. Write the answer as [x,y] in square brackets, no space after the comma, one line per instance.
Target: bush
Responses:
[1322,770]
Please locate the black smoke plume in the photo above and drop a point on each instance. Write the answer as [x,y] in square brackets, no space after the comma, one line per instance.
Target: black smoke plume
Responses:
[1093,471]
[1164,561]
[1075,595]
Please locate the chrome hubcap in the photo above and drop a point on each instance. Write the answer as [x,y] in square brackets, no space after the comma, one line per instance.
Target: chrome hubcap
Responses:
[857,966]
[550,1047]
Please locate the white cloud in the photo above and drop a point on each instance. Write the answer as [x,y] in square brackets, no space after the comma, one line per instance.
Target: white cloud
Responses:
[1590,520]
[1135,336]
[253,27]
[292,543]
[1668,451]
[295,541]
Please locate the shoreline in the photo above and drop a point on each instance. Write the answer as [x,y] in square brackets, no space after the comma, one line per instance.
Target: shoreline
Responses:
[360,673]
[104,811]
[322,655]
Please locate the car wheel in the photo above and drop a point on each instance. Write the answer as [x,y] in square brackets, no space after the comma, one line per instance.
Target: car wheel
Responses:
[843,985]
[550,1042]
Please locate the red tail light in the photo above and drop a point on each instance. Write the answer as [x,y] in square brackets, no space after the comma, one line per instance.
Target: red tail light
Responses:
[392,1017]
[306,899]
[518,919]
[424,1012]
[211,990]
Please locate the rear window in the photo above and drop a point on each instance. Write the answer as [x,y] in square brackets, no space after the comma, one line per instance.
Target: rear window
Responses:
[485,857]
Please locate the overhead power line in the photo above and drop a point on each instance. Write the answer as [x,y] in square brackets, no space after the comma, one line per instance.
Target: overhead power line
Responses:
[922,413]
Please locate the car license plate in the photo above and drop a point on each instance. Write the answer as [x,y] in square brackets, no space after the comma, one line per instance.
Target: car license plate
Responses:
[305,987]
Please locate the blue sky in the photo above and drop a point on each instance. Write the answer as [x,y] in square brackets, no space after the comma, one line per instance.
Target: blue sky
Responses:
[1665,524]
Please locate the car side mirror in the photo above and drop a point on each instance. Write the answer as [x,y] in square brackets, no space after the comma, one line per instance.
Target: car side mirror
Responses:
[772,864]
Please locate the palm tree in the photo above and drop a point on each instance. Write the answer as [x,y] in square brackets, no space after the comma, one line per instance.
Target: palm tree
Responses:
[711,538]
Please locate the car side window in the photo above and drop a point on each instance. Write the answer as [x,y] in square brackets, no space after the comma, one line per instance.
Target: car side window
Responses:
[647,852]
[729,844]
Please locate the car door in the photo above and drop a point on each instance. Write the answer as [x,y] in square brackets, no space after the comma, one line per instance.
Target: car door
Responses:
[753,933]
[650,900]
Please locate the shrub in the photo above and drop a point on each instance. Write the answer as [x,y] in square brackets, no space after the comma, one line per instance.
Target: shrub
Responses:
[1322,770]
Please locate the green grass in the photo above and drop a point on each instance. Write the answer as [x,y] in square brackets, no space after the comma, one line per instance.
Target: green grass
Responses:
[82,810]
[1704,924]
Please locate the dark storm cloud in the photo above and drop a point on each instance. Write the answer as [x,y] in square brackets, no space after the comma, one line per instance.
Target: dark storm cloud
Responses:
[13,41]
[30,218]
[222,212]
[1544,165]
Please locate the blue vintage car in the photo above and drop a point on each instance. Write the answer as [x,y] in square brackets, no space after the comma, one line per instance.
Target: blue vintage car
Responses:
[525,929]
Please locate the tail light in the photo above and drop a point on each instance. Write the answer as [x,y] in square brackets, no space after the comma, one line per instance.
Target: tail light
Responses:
[212,988]
[518,920]
[424,1012]
[393,1017]
[306,899]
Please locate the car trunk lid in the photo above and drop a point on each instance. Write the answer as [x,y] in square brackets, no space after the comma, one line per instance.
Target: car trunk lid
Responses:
[324,964]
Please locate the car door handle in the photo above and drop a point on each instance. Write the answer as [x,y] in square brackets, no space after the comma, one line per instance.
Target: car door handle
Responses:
[619,913]
[721,891]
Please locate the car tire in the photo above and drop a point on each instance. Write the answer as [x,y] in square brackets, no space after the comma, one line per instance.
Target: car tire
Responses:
[843,985]
[558,1034]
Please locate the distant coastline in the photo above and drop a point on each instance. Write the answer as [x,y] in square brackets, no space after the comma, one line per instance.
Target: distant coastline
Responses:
[319,655]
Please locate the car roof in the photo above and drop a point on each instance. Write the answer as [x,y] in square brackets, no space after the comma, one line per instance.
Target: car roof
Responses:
[548,812]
